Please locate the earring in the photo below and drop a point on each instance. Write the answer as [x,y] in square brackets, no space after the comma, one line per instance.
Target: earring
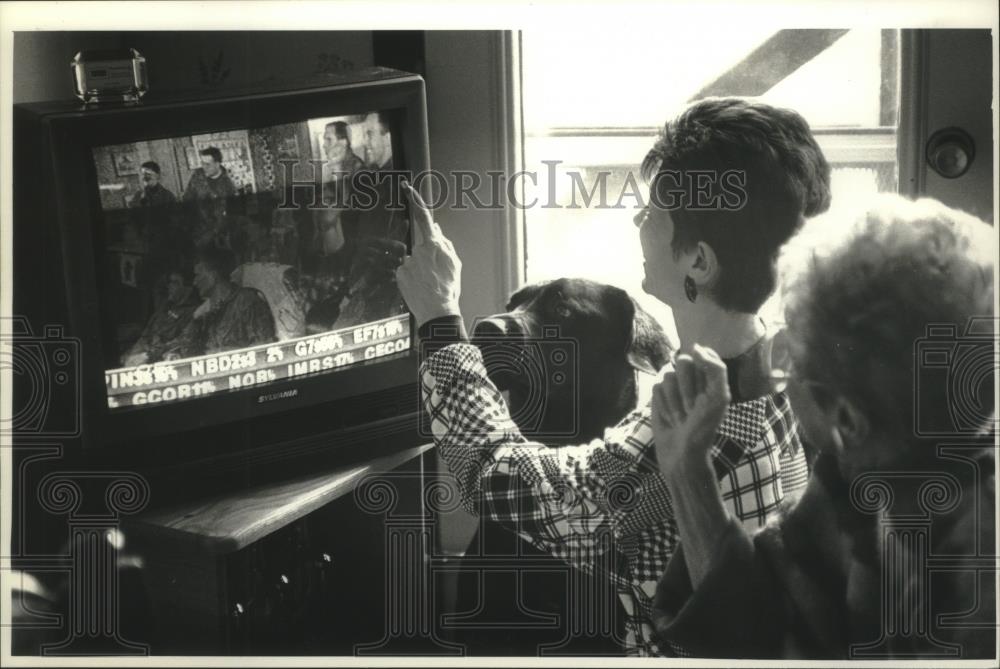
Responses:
[690,289]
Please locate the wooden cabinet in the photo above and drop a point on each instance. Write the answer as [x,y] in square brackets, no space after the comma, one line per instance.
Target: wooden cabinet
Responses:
[291,567]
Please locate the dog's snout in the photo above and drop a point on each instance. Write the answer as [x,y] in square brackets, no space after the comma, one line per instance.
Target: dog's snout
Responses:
[489,327]
[501,340]
[501,326]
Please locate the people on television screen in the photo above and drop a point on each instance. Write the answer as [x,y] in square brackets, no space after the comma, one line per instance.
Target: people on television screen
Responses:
[372,293]
[322,316]
[328,235]
[153,209]
[377,236]
[153,193]
[207,190]
[231,316]
[340,156]
[378,146]
[160,338]
[341,234]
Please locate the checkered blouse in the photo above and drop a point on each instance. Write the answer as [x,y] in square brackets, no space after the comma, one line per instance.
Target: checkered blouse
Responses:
[600,506]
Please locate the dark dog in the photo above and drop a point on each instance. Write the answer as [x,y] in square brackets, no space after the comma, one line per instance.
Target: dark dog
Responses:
[566,352]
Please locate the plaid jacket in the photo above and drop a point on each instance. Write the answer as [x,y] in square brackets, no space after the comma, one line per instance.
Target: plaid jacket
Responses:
[603,505]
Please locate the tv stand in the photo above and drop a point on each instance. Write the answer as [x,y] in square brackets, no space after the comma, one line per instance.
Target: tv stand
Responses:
[292,567]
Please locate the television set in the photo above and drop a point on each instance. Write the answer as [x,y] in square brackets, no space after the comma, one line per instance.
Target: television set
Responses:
[211,264]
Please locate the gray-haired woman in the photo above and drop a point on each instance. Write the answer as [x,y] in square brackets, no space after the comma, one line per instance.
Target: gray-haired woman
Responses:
[839,576]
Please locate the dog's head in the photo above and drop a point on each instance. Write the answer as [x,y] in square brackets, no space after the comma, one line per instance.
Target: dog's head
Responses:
[567,351]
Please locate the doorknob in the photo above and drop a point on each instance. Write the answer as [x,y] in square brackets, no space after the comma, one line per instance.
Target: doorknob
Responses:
[950,152]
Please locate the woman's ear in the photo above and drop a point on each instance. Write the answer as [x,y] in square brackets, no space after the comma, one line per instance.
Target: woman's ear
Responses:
[704,265]
[851,427]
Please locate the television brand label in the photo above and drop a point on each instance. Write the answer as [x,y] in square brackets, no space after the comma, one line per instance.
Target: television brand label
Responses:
[283,395]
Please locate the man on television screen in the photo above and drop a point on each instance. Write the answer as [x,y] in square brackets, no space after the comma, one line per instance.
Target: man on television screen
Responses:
[231,316]
[328,237]
[165,327]
[152,208]
[378,145]
[379,236]
[153,193]
[340,156]
[208,189]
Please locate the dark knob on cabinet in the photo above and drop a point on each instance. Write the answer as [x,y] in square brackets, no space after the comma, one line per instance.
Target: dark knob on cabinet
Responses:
[950,152]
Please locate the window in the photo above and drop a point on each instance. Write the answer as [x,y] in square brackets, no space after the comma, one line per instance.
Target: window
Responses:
[594,101]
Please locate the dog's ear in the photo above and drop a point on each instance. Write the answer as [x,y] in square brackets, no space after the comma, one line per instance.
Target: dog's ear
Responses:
[649,348]
[524,294]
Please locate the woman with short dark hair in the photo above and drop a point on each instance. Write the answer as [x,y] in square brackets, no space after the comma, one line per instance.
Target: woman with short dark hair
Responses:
[737,178]
[744,176]
[732,179]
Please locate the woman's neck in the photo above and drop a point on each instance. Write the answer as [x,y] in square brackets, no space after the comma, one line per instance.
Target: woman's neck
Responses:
[728,333]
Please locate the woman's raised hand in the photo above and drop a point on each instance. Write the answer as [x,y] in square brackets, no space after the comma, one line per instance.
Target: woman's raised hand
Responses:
[689,404]
[430,278]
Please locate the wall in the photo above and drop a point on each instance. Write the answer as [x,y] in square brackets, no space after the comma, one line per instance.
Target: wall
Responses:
[41,61]
[465,99]
[185,60]
[234,58]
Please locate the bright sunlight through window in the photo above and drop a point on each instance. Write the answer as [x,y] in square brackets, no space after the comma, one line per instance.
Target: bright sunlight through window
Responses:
[593,101]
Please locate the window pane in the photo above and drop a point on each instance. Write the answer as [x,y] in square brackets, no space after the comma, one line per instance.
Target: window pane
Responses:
[593,103]
[622,78]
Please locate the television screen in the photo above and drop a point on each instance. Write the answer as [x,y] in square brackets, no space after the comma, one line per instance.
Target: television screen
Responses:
[244,257]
